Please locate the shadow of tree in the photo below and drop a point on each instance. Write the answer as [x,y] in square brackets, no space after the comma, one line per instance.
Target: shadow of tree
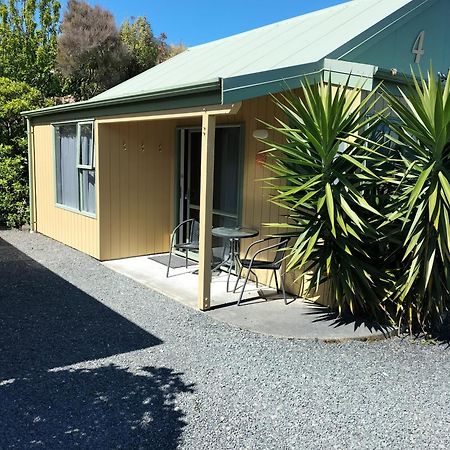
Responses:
[47,324]
[325,314]
[106,407]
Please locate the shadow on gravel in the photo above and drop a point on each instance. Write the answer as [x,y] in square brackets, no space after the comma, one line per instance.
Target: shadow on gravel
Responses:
[47,322]
[324,314]
[440,336]
[102,408]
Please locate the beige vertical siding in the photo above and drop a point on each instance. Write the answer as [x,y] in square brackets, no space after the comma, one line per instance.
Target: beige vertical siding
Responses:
[136,173]
[71,228]
[136,198]
[257,210]
[256,207]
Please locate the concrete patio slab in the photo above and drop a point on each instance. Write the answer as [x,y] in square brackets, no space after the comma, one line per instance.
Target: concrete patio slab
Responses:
[299,319]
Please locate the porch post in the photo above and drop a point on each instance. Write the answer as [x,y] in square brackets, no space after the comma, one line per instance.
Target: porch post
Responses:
[206,206]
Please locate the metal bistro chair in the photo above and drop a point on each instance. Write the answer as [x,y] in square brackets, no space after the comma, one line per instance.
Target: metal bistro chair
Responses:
[190,228]
[255,264]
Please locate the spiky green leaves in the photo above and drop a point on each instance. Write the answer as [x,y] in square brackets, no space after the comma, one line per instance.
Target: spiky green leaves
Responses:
[321,173]
[422,200]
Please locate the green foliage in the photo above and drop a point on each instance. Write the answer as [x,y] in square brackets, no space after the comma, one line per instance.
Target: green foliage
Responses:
[93,55]
[13,188]
[90,53]
[28,31]
[15,97]
[373,215]
[144,49]
[420,204]
[321,173]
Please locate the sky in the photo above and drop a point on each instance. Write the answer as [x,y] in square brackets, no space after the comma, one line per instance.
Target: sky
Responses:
[194,22]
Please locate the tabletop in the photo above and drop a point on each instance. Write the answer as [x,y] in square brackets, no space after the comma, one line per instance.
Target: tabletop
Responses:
[234,233]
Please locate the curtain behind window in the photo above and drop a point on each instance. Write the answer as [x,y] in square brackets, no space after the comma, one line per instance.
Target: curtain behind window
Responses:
[226,170]
[66,166]
[88,186]
[86,153]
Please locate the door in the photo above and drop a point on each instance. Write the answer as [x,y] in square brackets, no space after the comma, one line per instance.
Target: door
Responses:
[228,158]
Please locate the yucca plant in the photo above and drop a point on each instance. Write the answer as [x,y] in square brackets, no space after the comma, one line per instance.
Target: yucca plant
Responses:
[320,166]
[421,201]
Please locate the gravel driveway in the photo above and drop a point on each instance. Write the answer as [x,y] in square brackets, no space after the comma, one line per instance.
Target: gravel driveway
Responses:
[90,359]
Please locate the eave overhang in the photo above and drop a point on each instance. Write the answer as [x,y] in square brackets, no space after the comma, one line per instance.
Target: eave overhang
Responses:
[208,93]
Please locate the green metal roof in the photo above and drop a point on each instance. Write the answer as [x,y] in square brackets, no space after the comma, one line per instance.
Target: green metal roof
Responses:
[265,56]
[297,41]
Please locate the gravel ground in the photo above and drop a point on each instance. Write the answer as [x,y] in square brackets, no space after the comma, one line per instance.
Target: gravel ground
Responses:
[91,359]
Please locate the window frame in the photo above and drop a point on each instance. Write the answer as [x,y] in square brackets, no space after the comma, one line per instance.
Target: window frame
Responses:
[90,166]
[79,167]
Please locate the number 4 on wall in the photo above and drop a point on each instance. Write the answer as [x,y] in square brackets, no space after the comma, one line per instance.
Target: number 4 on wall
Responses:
[418,47]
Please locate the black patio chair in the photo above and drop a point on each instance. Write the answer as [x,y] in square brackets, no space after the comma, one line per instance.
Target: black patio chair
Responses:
[190,229]
[253,263]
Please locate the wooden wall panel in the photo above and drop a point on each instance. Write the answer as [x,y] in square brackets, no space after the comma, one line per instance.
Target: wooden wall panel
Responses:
[136,193]
[136,177]
[257,210]
[71,228]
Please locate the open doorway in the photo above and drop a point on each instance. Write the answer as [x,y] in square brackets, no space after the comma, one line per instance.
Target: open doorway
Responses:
[228,174]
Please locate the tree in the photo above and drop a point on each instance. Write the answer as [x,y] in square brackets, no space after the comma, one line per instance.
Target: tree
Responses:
[420,204]
[13,188]
[144,49]
[15,97]
[320,173]
[28,43]
[90,52]
[28,40]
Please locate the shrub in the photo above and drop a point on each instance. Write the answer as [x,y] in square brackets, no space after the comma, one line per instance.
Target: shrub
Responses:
[15,97]
[420,205]
[13,188]
[373,215]
[322,177]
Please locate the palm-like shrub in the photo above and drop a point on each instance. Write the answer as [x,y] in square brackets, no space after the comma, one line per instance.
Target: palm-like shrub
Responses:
[422,200]
[322,177]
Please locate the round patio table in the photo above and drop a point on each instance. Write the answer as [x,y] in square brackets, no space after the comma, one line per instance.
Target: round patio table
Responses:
[234,235]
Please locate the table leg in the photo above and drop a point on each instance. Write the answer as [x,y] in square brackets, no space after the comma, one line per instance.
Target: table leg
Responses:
[232,262]
[224,261]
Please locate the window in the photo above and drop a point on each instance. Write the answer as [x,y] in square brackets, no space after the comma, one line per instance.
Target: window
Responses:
[75,166]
